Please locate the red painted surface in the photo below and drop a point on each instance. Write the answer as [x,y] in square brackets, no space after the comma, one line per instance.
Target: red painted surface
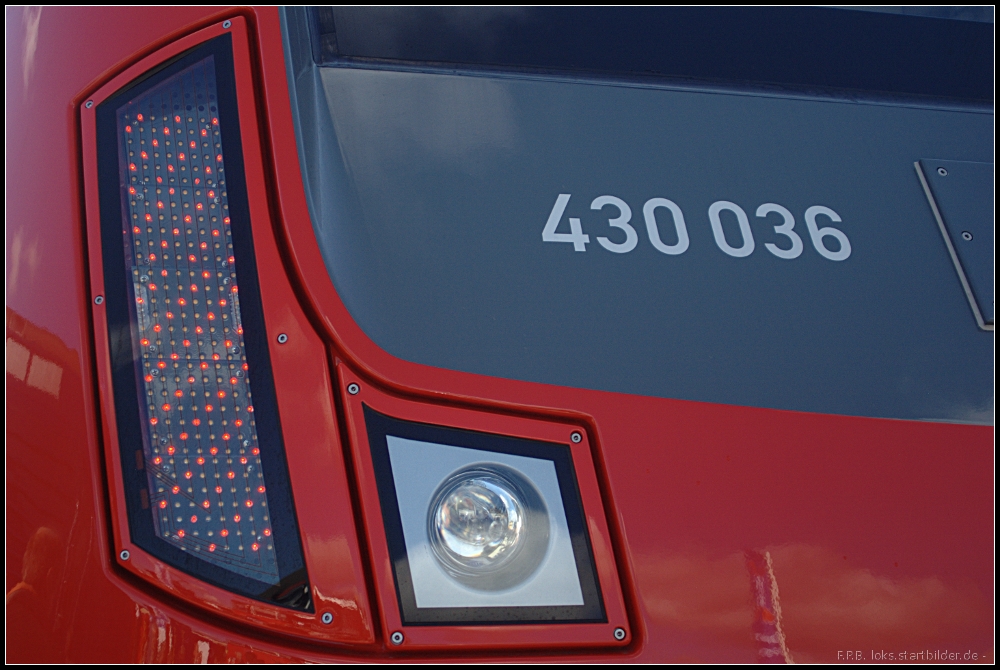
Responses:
[879,532]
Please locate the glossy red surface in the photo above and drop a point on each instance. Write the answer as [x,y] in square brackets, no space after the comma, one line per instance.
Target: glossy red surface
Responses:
[878,534]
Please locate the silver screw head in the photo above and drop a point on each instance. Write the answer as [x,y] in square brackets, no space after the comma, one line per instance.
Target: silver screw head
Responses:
[124,555]
[576,437]
[327,618]
[396,638]
[89,104]
[282,338]
[227,24]
[942,172]
[967,236]
[99,300]
[619,634]
[353,389]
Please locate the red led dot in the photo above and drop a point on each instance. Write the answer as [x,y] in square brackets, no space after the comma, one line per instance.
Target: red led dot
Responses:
[224,532]
[238,422]
[199,206]
[249,503]
[233,380]
[246,367]
[166,131]
[236,518]
[208,408]
[139,116]
[215,357]
[149,378]
[136,230]
[177,119]
[194,519]
[152,287]
[211,547]
[176,489]
[163,504]
[170,168]
[255,451]
[128,129]
[144,342]
[171,450]
[229,343]
[154,420]
[222,394]
[254,546]
[161,365]
[211,194]
[232,259]
[206,274]
[204,366]
[174,356]
[204,133]
[250,408]
[226,436]
[187,475]
[196,422]
[184,436]
[163,273]
[200,460]
[170,315]
[159,204]
[178,393]
[213,451]
[198,330]
[243,460]
[219,157]
[159,180]
[177,231]
[205,504]
[157,328]
[190,380]
[218,489]
[139,300]
[194,144]
[187,219]
[131,189]
[226,220]
[171,191]
[181,301]
[166,407]
[157,460]
[149,217]
[196,180]
[231,474]
[180,533]
[156,143]
[260,489]
[211,316]
[163,244]
[144,155]
[215,122]
[208,170]
[204,245]
[192,258]
[187,343]
[267,532]
[181,155]
[152,257]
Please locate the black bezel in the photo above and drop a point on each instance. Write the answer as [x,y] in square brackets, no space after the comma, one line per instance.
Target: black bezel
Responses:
[379,426]
[293,588]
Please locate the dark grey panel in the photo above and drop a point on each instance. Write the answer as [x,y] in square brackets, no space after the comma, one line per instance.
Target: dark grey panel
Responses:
[962,194]
[430,191]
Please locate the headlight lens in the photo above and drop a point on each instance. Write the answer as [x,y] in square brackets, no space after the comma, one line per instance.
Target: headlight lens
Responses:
[488,527]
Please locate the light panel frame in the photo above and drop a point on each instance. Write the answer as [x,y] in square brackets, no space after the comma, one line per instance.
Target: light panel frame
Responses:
[444,634]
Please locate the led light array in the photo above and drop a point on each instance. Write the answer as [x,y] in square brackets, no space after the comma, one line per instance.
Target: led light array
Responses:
[201,452]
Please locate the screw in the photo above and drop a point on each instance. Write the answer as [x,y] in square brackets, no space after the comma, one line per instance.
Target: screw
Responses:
[227,24]
[99,300]
[353,389]
[124,555]
[619,634]
[89,104]
[576,437]
[966,235]
[942,172]
[282,338]
[396,638]
[327,618]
